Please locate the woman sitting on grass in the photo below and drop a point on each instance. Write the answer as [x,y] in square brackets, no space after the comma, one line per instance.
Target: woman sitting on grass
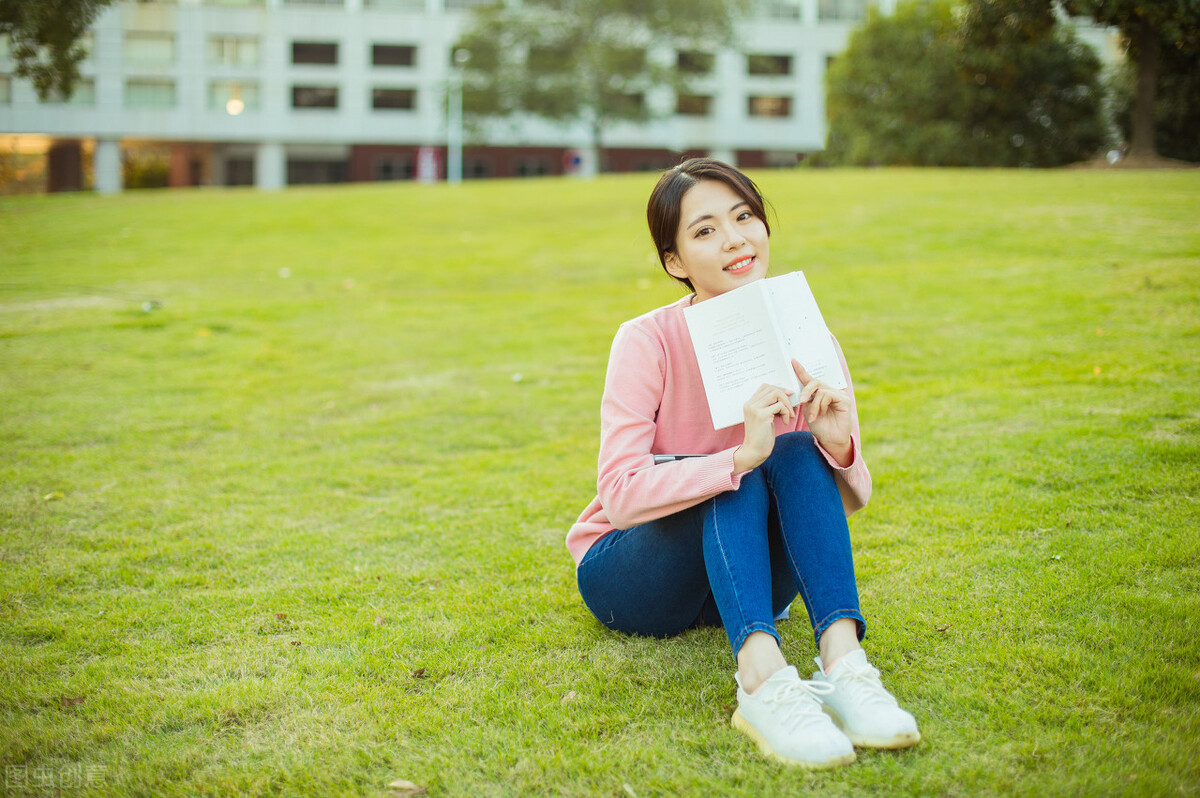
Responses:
[732,537]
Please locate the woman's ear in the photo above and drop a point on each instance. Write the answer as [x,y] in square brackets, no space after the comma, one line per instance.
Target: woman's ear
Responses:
[673,266]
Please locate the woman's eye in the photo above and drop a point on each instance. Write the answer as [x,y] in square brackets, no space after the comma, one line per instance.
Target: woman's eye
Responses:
[703,231]
[744,215]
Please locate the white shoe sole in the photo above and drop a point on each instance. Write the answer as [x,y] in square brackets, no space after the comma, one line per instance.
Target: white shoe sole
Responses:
[901,740]
[743,725]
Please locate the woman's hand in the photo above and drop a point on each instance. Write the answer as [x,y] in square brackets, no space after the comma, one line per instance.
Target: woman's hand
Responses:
[829,415]
[760,411]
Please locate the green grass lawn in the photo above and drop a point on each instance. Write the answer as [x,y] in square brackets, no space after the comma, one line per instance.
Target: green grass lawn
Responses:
[284,481]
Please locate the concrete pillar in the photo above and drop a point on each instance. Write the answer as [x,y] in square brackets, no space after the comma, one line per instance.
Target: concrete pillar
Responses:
[270,166]
[107,167]
[808,13]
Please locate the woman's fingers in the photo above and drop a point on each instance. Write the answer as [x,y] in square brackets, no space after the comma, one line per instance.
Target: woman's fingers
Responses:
[772,400]
[801,374]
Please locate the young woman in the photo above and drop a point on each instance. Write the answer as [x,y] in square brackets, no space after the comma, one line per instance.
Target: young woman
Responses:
[733,536]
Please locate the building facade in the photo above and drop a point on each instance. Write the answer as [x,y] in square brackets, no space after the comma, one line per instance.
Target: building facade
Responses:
[277,92]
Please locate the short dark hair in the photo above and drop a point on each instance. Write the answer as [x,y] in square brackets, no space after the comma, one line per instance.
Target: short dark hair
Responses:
[664,209]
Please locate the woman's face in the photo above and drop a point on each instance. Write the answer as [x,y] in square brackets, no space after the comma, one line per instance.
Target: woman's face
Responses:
[721,244]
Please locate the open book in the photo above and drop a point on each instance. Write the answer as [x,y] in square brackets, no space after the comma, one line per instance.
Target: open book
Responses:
[748,336]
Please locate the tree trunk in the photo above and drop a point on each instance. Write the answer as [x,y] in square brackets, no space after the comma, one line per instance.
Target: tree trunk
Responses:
[1147,47]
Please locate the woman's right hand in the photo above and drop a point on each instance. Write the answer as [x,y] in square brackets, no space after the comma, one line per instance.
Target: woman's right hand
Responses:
[760,411]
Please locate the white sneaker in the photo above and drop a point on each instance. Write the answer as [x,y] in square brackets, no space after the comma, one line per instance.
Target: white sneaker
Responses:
[862,708]
[784,717]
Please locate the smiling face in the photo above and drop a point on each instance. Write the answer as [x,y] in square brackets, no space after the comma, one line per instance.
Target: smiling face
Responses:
[721,244]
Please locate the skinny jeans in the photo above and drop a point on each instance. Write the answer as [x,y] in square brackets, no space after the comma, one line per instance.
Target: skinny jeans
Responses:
[736,560]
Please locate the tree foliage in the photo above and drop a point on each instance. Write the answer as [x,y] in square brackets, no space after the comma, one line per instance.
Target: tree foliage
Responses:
[44,37]
[589,61]
[1035,94]
[991,83]
[894,94]
[1159,34]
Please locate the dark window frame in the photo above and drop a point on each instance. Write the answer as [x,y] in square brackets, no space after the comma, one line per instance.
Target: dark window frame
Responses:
[769,65]
[393,55]
[759,102]
[311,53]
[381,93]
[323,97]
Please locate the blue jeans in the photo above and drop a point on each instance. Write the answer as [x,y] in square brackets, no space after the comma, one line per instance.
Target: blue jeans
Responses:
[737,560]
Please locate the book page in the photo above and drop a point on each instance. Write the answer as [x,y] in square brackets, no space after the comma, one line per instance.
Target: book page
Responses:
[805,336]
[738,349]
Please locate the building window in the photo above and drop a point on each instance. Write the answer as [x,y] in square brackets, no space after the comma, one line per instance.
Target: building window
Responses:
[149,93]
[780,10]
[312,2]
[393,99]
[392,168]
[314,96]
[5,90]
[233,50]
[149,49]
[400,55]
[843,10]
[770,106]
[531,167]
[239,172]
[693,104]
[83,94]
[396,5]
[317,171]
[769,64]
[626,103]
[544,59]
[234,2]
[695,63]
[314,52]
[233,96]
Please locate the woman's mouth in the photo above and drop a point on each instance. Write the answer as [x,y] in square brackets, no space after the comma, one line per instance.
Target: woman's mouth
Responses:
[741,265]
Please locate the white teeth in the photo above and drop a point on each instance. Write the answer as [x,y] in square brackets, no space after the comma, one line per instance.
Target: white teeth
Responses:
[739,264]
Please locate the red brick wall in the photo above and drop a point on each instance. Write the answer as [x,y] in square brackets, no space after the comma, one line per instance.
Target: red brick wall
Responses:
[366,160]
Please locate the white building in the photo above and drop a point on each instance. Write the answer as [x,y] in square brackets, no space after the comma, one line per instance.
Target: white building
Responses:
[274,92]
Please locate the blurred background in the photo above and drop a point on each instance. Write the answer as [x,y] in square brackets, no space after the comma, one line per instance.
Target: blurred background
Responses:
[271,93]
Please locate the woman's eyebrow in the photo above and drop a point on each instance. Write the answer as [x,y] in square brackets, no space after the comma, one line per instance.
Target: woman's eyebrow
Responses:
[708,216]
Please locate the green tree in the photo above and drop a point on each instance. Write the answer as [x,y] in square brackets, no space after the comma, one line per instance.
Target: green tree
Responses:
[1034,94]
[586,61]
[44,36]
[894,95]
[1146,25]
[987,83]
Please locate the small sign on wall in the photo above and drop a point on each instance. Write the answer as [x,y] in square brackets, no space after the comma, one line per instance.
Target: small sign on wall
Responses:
[429,165]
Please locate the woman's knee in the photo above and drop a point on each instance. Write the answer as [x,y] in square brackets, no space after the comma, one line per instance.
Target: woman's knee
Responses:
[798,448]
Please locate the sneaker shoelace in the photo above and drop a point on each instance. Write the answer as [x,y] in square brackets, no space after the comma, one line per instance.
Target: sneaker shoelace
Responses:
[801,703]
[864,686]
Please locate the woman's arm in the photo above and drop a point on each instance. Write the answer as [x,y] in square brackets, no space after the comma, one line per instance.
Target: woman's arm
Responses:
[631,487]
[837,434]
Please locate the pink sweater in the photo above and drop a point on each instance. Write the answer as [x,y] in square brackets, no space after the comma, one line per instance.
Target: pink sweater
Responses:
[654,403]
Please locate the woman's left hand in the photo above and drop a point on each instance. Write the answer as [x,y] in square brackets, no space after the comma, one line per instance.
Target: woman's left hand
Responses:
[829,414]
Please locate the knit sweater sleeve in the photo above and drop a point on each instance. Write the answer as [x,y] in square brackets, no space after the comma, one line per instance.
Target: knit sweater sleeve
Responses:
[854,480]
[630,486]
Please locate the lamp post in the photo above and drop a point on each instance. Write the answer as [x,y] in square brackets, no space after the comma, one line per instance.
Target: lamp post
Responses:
[454,118]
